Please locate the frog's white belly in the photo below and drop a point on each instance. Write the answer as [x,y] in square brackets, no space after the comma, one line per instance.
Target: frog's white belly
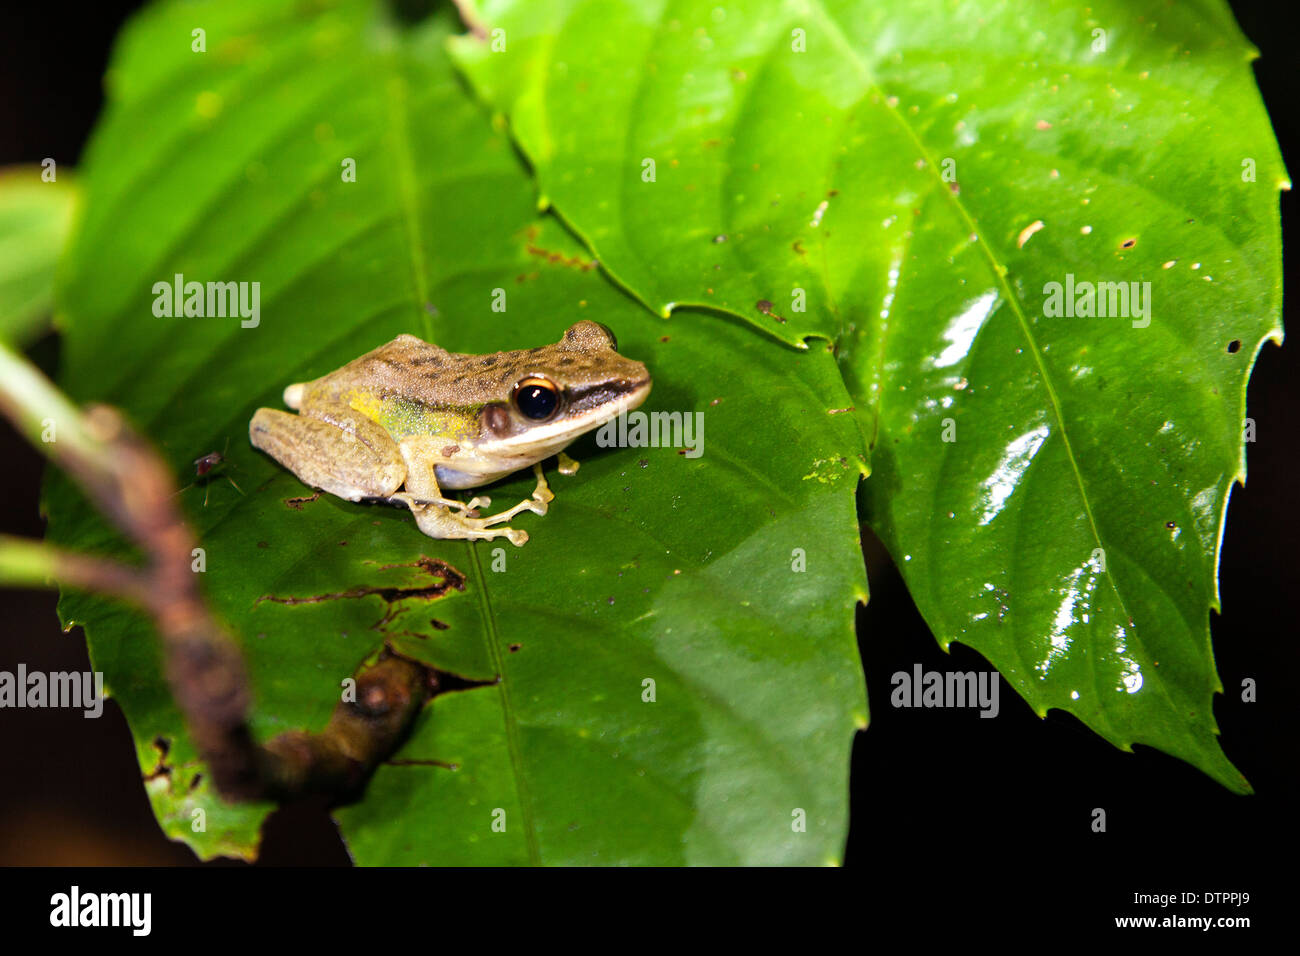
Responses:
[450,478]
[468,474]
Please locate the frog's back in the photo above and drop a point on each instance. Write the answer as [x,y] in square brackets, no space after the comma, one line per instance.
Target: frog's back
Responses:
[401,368]
[401,359]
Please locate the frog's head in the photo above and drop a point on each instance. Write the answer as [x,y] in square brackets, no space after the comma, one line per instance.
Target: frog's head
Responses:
[555,393]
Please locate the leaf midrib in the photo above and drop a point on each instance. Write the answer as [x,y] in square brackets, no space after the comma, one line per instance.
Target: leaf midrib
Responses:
[492,637]
[999,277]
[407,200]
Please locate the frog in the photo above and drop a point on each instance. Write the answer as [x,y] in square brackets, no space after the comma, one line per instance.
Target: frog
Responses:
[409,420]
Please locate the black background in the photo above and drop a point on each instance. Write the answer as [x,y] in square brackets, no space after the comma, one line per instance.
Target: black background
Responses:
[946,808]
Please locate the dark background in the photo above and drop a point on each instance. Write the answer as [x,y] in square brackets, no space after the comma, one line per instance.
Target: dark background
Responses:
[996,808]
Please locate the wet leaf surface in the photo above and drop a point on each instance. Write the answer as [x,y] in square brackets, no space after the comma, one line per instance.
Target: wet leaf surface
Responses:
[916,176]
[650,566]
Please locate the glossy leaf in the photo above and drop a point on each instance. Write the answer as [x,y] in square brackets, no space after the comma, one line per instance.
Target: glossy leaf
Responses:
[918,173]
[650,566]
[35,217]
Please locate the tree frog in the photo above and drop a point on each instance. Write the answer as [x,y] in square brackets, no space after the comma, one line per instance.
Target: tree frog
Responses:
[409,419]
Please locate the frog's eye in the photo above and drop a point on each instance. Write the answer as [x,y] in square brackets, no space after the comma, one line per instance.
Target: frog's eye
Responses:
[536,398]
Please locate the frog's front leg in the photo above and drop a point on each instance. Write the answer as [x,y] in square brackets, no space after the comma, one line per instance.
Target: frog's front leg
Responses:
[333,448]
[538,503]
[566,465]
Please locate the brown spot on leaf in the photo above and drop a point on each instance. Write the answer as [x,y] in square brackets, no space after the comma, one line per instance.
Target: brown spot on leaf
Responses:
[407,762]
[448,579]
[163,769]
[559,259]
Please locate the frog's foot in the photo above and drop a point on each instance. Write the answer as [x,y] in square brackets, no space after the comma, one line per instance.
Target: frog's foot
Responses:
[438,521]
[537,504]
[567,466]
[465,507]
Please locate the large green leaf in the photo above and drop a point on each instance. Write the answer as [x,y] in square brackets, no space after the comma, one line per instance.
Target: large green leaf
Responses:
[35,218]
[1052,488]
[225,165]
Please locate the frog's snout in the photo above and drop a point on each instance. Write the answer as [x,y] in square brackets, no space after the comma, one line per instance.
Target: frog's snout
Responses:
[638,392]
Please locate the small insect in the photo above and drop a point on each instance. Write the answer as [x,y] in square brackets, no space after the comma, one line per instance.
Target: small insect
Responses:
[203,467]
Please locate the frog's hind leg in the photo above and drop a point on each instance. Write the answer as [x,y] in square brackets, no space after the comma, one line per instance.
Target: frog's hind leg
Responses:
[422,487]
[439,522]
[433,512]
[342,452]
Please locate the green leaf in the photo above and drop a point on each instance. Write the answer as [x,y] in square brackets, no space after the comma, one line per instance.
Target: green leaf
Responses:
[226,166]
[35,217]
[921,171]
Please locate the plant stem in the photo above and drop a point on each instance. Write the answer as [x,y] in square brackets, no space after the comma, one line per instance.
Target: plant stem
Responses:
[27,563]
[131,484]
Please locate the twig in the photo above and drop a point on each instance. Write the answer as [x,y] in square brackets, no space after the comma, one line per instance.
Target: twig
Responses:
[132,486]
[469,16]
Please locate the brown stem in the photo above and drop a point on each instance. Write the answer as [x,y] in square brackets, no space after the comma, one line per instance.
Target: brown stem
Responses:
[131,484]
[469,16]
[360,733]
